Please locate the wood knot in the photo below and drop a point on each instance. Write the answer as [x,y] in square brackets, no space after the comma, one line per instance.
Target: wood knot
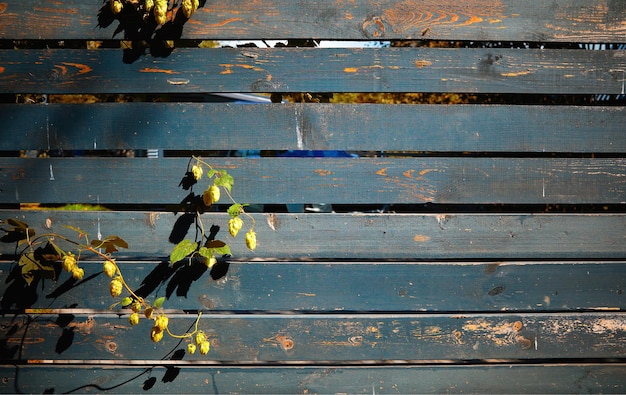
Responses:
[373,27]
[285,342]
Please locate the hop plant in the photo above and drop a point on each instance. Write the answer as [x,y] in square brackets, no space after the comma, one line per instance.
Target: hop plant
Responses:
[234,226]
[205,346]
[161,322]
[116,6]
[156,334]
[133,319]
[136,306]
[191,348]
[109,268]
[78,273]
[115,287]
[211,195]
[251,239]
[189,7]
[160,11]
[69,262]
[197,172]
[200,337]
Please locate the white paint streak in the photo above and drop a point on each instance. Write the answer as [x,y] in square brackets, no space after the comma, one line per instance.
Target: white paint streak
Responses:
[51,173]
[299,140]
[95,143]
[543,188]
[99,233]
[48,130]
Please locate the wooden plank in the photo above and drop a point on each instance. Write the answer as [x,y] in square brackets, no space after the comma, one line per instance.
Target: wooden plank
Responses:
[487,379]
[417,180]
[364,127]
[340,286]
[534,20]
[322,338]
[486,70]
[363,236]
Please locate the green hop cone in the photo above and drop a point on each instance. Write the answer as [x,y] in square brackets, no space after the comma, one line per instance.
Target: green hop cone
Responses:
[161,322]
[133,319]
[69,262]
[156,334]
[78,273]
[115,287]
[197,172]
[109,268]
[251,239]
[211,195]
[200,338]
[234,225]
[205,346]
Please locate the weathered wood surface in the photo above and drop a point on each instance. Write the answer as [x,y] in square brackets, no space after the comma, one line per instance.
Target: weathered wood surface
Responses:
[359,286]
[361,127]
[534,20]
[486,70]
[416,180]
[210,379]
[363,236]
[322,338]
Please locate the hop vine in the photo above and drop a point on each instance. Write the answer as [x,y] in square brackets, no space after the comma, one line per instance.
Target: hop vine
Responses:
[43,254]
[157,8]
[219,180]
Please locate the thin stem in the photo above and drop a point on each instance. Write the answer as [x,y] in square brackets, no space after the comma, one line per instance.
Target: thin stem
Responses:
[188,334]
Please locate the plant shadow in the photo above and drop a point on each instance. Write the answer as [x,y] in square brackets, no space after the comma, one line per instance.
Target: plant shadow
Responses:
[140,31]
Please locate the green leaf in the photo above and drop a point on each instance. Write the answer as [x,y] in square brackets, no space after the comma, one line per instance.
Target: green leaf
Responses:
[205,252]
[110,244]
[159,302]
[127,301]
[216,247]
[211,173]
[30,267]
[236,209]
[182,249]
[224,180]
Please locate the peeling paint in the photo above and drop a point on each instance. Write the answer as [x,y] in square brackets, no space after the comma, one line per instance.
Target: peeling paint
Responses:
[421,238]
[152,70]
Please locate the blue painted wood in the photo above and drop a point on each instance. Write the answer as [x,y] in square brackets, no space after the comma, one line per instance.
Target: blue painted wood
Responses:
[361,127]
[363,236]
[486,70]
[322,338]
[216,378]
[285,180]
[478,302]
[442,286]
[506,20]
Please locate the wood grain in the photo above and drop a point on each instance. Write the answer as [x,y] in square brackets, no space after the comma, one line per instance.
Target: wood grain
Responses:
[354,286]
[292,126]
[214,378]
[532,20]
[486,70]
[462,180]
[254,338]
[363,236]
